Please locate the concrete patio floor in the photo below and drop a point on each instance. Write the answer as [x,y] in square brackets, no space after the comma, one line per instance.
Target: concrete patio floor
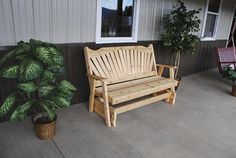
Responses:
[202,124]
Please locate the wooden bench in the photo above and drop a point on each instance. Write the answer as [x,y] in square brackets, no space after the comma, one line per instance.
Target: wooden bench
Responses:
[225,57]
[125,78]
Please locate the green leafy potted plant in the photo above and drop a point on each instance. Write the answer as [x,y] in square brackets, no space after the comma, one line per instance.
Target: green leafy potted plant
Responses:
[179,28]
[229,72]
[36,66]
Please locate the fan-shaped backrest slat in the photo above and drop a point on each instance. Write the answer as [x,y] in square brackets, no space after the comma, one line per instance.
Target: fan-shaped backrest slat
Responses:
[117,63]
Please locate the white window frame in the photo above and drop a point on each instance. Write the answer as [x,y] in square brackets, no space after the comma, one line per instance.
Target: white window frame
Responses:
[216,22]
[133,39]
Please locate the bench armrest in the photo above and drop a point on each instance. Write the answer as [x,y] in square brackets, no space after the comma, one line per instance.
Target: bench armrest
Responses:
[170,67]
[96,77]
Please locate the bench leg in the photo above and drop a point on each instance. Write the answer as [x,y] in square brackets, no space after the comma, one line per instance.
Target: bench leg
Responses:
[107,114]
[106,105]
[171,98]
[113,119]
[92,95]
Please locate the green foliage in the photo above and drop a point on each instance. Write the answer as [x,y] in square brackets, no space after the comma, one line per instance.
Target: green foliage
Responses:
[30,69]
[20,49]
[67,85]
[38,65]
[43,54]
[21,111]
[229,73]
[62,102]
[57,68]
[27,87]
[48,76]
[8,103]
[48,109]
[10,72]
[179,26]
[46,90]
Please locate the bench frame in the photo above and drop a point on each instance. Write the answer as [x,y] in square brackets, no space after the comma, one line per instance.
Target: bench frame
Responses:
[100,103]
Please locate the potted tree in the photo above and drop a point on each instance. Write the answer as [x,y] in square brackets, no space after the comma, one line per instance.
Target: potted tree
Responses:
[36,66]
[180,26]
[229,72]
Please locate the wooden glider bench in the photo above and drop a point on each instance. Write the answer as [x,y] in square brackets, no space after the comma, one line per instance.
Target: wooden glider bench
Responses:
[125,78]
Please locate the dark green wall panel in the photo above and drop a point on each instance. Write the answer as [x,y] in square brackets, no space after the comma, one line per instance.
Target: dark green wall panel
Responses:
[202,60]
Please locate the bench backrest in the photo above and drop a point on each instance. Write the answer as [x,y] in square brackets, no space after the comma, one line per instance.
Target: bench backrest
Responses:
[119,64]
[224,55]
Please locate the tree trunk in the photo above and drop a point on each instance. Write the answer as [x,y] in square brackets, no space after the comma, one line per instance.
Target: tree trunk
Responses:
[177,62]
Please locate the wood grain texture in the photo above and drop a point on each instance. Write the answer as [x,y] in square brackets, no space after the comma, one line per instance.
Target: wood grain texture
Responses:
[143,74]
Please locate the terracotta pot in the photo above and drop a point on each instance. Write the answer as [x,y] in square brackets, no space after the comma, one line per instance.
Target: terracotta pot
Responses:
[44,131]
[179,80]
[233,90]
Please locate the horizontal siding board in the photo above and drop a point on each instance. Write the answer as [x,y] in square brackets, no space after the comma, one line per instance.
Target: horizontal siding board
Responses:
[59,20]
[88,20]
[151,14]
[225,19]
[23,19]
[74,21]
[74,25]
[149,19]
[7,34]
[42,20]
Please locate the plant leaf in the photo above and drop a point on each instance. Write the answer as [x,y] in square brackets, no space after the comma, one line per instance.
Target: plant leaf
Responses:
[57,68]
[7,56]
[21,111]
[8,103]
[49,111]
[22,57]
[10,72]
[61,89]
[58,59]
[55,50]
[68,97]
[68,85]
[27,87]
[35,42]
[46,90]
[30,69]
[62,102]
[48,76]
[21,48]
[43,54]
[52,104]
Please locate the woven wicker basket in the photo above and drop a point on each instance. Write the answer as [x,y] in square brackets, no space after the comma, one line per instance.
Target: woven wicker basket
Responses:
[45,131]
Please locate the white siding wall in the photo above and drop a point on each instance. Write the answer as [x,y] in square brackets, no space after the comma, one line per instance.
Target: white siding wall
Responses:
[7,32]
[151,14]
[225,19]
[58,21]
[74,21]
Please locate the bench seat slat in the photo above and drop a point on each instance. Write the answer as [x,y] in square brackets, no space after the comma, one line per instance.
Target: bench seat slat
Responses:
[124,92]
[130,83]
[128,77]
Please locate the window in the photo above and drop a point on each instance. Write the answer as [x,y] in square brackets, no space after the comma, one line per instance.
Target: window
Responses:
[117,21]
[211,18]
